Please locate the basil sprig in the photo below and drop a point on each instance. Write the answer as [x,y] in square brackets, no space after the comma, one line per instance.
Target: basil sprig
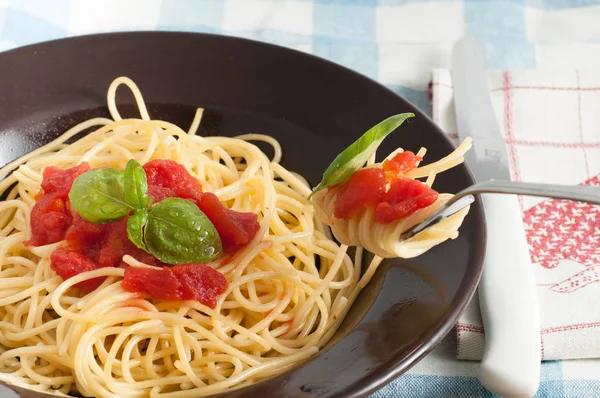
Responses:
[174,230]
[356,155]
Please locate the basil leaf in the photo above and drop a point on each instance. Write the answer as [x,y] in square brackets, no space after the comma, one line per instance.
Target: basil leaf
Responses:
[136,185]
[178,232]
[99,197]
[135,228]
[356,155]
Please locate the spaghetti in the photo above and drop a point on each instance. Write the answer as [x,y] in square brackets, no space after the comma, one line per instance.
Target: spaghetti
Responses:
[288,290]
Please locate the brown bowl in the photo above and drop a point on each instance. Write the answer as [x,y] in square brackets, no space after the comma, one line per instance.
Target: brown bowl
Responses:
[314,108]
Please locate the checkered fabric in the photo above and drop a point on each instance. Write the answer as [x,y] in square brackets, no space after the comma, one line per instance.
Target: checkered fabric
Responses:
[398,43]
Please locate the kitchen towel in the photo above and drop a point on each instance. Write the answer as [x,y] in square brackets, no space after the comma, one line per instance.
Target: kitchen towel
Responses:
[550,121]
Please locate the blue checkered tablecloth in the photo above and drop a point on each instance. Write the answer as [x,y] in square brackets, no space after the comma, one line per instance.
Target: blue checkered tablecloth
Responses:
[398,43]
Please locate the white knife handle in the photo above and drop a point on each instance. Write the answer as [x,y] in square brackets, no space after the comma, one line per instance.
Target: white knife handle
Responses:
[509,306]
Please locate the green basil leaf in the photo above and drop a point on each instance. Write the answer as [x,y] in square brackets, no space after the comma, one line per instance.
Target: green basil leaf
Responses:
[135,228]
[99,197]
[178,232]
[136,185]
[356,155]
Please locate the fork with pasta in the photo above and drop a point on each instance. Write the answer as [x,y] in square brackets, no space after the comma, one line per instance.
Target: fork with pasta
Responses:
[371,205]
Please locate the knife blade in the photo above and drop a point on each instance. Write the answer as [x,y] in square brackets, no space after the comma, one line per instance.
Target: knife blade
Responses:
[507,291]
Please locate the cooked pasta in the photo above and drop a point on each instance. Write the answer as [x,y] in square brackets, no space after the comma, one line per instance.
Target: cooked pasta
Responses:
[288,289]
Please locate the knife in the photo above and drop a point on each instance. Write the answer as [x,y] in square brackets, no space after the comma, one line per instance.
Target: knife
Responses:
[507,291]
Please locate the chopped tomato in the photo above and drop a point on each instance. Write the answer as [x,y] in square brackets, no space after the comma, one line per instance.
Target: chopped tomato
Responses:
[49,220]
[50,217]
[401,163]
[365,188]
[235,228]
[404,197]
[59,182]
[180,282]
[92,246]
[160,284]
[116,244]
[169,179]
[67,264]
[86,236]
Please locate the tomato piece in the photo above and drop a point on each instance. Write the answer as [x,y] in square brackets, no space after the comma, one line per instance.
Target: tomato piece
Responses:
[235,228]
[115,244]
[180,282]
[68,263]
[404,197]
[85,236]
[59,181]
[49,220]
[200,282]
[401,163]
[161,284]
[169,179]
[365,188]
[50,217]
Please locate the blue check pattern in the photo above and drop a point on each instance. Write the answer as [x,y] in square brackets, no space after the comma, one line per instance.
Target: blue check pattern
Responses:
[396,42]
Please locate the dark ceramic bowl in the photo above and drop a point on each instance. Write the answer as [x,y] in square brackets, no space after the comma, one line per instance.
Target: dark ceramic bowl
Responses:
[314,108]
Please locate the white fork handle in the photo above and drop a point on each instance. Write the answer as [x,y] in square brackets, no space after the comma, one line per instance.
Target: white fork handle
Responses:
[509,306]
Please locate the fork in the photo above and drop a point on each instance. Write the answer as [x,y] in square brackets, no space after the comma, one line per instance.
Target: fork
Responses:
[589,194]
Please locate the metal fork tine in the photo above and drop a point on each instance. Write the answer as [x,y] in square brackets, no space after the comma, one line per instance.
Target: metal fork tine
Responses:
[462,199]
[451,207]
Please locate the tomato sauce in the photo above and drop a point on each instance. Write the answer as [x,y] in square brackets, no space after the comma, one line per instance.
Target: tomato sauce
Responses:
[366,188]
[91,246]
